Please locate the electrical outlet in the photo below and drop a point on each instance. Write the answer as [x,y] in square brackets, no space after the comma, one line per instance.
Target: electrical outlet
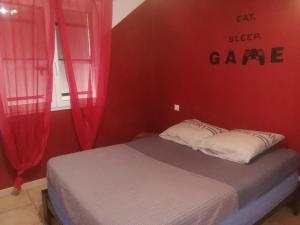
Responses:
[176,107]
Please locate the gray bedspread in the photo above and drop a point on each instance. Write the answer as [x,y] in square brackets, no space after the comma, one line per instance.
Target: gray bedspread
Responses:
[250,180]
[118,185]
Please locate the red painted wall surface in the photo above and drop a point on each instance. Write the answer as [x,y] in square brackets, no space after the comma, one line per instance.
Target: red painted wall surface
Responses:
[233,96]
[129,100]
[160,57]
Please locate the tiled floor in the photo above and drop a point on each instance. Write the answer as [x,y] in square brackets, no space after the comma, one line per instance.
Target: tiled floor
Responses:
[22,209]
[26,209]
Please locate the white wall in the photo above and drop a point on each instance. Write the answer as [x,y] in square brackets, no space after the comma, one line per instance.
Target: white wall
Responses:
[122,8]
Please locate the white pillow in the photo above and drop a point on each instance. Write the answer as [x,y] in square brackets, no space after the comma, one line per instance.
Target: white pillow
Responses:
[190,132]
[238,145]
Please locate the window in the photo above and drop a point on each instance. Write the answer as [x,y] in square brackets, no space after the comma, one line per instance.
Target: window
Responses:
[81,60]
[21,57]
[61,95]
[15,61]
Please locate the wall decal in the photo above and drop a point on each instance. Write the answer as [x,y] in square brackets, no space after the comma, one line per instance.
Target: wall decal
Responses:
[254,54]
[244,37]
[245,18]
[249,54]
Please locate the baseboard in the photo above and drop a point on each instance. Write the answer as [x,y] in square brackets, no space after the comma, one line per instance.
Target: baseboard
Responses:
[25,186]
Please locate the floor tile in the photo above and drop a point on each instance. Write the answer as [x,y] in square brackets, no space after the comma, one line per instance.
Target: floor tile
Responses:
[21,216]
[35,195]
[14,201]
[283,217]
[39,209]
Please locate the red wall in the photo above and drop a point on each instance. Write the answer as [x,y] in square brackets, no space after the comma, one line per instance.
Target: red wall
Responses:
[160,56]
[129,101]
[233,96]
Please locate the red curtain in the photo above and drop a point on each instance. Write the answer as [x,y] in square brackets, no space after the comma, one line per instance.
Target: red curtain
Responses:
[85,32]
[26,60]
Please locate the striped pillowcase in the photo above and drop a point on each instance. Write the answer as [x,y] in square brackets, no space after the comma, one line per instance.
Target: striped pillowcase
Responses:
[238,145]
[190,132]
[205,126]
[266,138]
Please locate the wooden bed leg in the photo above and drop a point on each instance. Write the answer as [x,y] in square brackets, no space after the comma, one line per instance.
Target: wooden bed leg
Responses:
[295,203]
[46,211]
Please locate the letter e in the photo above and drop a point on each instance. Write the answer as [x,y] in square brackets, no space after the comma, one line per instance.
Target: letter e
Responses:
[276,55]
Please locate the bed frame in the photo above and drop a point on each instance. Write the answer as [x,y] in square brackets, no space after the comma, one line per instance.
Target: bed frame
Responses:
[292,201]
[48,210]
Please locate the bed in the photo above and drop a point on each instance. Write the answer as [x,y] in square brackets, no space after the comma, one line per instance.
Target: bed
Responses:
[151,181]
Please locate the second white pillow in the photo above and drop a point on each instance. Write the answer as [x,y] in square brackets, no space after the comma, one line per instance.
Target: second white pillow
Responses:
[238,145]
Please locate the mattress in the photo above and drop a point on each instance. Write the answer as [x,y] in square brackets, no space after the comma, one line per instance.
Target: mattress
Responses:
[118,185]
[248,215]
[249,180]
[120,175]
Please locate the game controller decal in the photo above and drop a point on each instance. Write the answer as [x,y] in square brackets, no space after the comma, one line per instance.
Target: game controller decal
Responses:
[258,55]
